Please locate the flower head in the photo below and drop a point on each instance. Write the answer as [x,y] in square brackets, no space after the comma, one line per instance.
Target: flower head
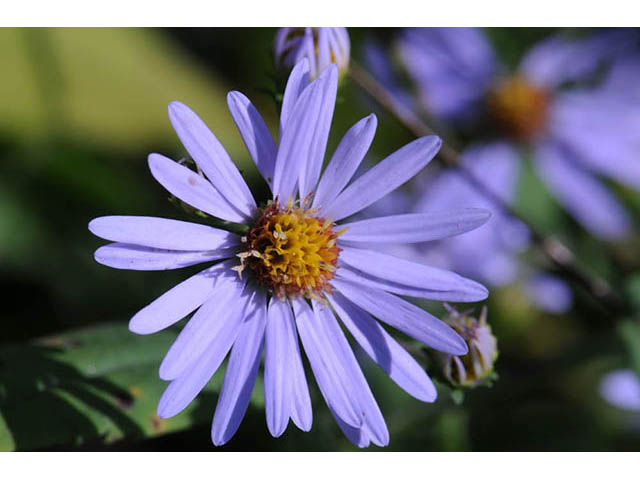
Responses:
[476,367]
[294,272]
[576,134]
[321,46]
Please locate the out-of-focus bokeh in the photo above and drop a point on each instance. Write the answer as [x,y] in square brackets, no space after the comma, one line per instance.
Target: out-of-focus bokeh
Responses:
[80,111]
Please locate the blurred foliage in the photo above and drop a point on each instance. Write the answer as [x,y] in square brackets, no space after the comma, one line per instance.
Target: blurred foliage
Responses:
[90,387]
[80,112]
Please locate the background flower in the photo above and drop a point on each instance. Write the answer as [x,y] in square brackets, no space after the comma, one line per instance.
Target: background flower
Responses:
[576,134]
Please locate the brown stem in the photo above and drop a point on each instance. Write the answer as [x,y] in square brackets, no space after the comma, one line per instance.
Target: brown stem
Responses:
[560,255]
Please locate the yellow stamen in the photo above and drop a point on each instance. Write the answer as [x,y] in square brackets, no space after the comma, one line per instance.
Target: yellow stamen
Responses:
[518,107]
[291,252]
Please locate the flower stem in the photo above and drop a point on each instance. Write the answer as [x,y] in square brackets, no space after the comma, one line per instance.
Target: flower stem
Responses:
[559,254]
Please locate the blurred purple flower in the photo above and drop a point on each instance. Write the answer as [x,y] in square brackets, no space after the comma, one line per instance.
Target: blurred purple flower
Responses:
[490,253]
[549,293]
[292,263]
[321,46]
[622,390]
[576,134]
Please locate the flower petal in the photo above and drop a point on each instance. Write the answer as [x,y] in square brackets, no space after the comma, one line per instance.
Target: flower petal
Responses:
[384,349]
[556,60]
[255,134]
[613,152]
[301,411]
[373,421]
[581,194]
[185,388]
[452,68]
[328,365]
[178,302]
[472,293]
[385,177]
[192,188]
[408,273]
[298,81]
[225,305]
[549,293]
[211,157]
[242,370]
[295,145]
[277,391]
[135,257]
[415,227]
[345,161]
[310,170]
[404,316]
[282,369]
[161,233]
[357,436]
[621,388]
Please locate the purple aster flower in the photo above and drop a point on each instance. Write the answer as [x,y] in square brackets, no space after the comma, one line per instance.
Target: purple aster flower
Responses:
[621,389]
[294,272]
[577,135]
[321,46]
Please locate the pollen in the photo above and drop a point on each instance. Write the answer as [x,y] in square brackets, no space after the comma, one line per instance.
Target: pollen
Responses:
[518,107]
[290,251]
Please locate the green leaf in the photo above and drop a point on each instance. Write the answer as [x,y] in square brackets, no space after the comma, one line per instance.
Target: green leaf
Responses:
[91,387]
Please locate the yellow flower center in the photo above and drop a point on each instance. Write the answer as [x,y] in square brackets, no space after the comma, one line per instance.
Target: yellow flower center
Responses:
[518,107]
[291,252]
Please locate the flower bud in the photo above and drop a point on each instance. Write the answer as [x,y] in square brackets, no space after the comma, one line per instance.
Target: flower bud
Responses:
[476,367]
[320,45]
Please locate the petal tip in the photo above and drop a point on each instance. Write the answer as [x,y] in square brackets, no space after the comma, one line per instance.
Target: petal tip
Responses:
[234,96]
[176,105]
[138,327]
[94,226]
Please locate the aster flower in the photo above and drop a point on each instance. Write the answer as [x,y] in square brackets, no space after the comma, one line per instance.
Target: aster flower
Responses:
[294,271]
[621,389]
[576,134]
[321,46]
